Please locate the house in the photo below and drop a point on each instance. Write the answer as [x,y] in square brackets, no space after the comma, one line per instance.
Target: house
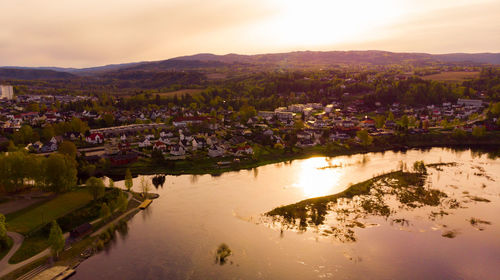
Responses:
[122,159]
[367,123]
[242,151]
[266,114]
[216,151]
[80,231]
[185,121]
[285,116]
[72,135]
[177,150]
[145,143]
[95,138]
[159,145]
[305,143]
[49,147]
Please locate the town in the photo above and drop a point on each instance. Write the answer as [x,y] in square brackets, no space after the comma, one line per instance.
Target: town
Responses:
[41,123]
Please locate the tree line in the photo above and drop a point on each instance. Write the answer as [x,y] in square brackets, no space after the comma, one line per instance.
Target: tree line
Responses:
[20,170]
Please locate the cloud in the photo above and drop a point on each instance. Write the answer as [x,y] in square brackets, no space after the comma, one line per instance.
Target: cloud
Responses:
[69,33]
[77,33]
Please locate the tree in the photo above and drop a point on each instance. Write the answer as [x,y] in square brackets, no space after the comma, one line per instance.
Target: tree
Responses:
[56,239]
[3,232]
[404,121]
[129,183]
[24,135]
[379,121]
[298,125]
[122,202]
[419,166]
[145,186]
[109,119]
[247,112]
[77,125]
[95,187]
[478,131]
[157,156]
[390,117]
[60,172]
[111,183]
[105,212]
[68,148]
[48,132]
[365,138]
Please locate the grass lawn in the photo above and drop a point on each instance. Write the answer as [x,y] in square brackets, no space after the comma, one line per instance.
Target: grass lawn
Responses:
[31,246]
[31,218]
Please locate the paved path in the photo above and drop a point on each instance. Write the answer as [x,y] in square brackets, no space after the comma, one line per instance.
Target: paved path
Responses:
[11,267]
[6,267]
[18,241]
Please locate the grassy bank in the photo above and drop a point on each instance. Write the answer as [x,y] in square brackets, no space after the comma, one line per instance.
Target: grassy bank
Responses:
[269,155]
[31,218]
[69,210]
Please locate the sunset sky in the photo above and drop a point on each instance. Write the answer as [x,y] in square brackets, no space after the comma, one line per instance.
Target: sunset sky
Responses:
[76,33]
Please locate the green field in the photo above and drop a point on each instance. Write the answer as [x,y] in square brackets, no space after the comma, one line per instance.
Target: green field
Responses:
[30,247]
[31,218]
[458,76]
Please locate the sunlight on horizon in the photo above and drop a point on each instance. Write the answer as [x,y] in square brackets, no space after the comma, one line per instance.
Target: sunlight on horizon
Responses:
[319,23]
[92,33]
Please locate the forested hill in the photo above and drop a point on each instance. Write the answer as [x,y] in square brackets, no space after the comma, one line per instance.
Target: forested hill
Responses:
[348,57]
[293,60]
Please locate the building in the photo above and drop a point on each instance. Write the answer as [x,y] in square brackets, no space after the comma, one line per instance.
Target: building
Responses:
[470,102]
[6,92]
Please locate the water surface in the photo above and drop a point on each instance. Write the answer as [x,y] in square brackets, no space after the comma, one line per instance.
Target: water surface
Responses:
[178,235]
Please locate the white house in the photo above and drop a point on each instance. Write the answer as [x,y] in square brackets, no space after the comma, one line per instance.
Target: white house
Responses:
[95,138]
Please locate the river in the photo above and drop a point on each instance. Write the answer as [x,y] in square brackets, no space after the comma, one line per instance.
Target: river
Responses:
[178,235]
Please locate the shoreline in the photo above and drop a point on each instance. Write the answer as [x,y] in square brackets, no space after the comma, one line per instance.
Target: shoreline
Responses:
[208,166]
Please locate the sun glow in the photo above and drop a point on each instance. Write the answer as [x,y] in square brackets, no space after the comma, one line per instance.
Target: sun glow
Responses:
[316,182]
[326,22]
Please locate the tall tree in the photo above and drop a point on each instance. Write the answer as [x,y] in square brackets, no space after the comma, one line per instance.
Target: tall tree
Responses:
[129,183]
[365,138]
[145,186]
[95,186]
[56,239]
[68,148]
[60,172]
[111,183]
[3,232]
[105,211]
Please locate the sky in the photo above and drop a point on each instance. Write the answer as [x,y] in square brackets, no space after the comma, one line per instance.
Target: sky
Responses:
[86,33]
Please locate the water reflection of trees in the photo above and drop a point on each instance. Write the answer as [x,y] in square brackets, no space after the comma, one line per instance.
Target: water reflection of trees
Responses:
[383,196]
[158,181]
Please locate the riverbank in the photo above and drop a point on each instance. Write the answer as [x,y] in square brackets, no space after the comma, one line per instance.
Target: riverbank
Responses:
[72,255]
[490,142]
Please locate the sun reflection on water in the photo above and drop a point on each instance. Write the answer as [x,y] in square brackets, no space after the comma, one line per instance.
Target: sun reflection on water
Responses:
[315,181]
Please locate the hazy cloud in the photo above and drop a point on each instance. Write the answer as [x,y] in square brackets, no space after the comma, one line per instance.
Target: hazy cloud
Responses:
[79,33]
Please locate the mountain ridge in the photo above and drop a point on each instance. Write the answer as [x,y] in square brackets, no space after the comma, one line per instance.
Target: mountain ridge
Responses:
[295,59]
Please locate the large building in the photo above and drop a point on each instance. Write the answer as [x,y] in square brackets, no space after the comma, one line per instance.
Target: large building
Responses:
[6,92]
[470,102]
